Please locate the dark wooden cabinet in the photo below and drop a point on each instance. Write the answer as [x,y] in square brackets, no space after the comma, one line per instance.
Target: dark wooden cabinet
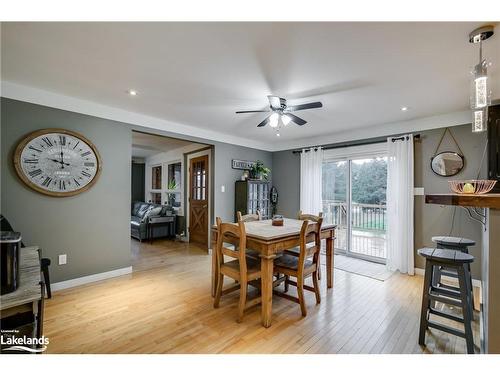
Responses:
[252,195]
[494,146]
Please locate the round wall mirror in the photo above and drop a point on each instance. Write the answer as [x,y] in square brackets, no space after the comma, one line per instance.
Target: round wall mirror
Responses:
[447,163]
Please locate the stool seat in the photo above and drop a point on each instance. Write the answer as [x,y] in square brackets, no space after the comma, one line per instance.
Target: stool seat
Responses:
[453,241]
[446,256]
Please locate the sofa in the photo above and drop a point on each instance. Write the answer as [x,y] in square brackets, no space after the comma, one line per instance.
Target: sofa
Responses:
[143,216]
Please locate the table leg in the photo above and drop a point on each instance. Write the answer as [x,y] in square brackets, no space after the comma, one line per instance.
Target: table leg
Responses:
[267,290]
[329,262]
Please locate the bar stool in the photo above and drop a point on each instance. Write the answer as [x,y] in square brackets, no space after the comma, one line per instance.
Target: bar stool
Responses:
[459,262]
[453,243]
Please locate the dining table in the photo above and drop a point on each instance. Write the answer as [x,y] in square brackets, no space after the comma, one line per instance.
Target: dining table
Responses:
[270,241]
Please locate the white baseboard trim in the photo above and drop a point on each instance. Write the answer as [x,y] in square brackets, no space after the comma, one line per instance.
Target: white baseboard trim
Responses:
[475,282]
[90,279]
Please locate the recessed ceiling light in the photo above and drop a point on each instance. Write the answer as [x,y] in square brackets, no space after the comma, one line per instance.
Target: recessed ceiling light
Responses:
[132,92]
[404,109]
[277,134]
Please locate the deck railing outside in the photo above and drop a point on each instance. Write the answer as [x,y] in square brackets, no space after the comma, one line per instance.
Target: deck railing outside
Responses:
[369,225]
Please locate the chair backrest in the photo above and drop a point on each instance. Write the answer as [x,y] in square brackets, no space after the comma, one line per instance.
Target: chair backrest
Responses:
[309,217]
[310,232]
[249,217]
[234,234]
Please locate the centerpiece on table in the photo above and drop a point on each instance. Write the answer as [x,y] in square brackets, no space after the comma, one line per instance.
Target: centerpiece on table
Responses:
[278,220]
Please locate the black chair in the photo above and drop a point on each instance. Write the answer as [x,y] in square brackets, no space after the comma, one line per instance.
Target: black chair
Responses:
[458,262]
[44,262]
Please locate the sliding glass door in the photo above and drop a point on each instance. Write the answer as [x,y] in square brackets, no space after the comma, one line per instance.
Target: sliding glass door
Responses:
[335,197]
[354,198]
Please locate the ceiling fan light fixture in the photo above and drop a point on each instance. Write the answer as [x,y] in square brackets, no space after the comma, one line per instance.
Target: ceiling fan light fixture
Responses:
[273,120]
[285,119]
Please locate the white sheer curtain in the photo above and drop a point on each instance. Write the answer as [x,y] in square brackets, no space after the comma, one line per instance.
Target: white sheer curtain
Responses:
[400,204]
[311,162]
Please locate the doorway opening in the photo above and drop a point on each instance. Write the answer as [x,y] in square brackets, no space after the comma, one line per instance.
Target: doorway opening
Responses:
[162,200]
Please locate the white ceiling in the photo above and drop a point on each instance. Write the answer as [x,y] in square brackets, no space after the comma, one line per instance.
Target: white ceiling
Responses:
[199,74]
[146,145]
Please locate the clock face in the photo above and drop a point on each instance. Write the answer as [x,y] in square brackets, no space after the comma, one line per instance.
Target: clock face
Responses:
[57,162]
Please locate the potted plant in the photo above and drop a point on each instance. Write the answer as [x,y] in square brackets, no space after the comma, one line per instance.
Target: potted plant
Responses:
[259,172]
[172,185]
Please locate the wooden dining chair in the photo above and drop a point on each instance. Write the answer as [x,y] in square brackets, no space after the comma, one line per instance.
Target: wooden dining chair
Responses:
[303,266]
[249,217]
[257,216]
[309,217]
[243,269]
[296,250]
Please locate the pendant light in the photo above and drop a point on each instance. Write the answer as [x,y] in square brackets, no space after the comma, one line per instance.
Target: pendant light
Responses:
[480,97]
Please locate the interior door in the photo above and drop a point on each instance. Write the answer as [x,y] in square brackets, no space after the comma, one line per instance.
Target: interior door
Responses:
[198,200]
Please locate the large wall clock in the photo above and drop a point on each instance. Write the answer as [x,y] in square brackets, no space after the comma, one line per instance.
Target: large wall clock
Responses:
[57,162]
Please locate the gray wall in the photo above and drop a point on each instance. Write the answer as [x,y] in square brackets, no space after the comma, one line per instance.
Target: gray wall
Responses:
[92,228]
[286,178]
[430,220]
[433,220]
[225,175]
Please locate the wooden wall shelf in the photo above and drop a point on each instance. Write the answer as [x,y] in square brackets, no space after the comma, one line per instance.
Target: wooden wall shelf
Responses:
[484,200]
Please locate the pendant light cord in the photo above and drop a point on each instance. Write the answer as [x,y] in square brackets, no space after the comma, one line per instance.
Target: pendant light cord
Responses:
[482,159]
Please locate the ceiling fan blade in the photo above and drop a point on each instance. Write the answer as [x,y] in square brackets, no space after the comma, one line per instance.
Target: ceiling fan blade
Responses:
[296,119]
[300,107]
[252,111]
[264,122]
[274,101]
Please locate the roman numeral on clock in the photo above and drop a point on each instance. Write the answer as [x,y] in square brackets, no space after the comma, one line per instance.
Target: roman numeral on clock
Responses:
[47,181]
[86,174]
[47,141]
[62,185]
[85,153]
[35,173]
[34,149]
[76,182]
[62,140]
[30,161]
[88,164]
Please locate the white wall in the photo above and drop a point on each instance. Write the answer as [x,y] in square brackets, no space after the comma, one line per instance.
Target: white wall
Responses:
[163,159]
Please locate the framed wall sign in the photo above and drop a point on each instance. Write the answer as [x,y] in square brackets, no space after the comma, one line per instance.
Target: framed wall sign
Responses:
[242,164]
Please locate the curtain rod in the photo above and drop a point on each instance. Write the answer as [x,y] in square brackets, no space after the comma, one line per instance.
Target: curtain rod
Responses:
[365,142]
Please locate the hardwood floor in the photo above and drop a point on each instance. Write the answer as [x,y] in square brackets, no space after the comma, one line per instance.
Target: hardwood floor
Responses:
[165,306]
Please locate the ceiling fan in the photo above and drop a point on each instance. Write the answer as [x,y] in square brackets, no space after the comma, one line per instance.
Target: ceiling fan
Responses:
[281,111]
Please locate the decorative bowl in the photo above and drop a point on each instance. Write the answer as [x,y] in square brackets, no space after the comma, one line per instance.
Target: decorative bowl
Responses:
[472,186]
